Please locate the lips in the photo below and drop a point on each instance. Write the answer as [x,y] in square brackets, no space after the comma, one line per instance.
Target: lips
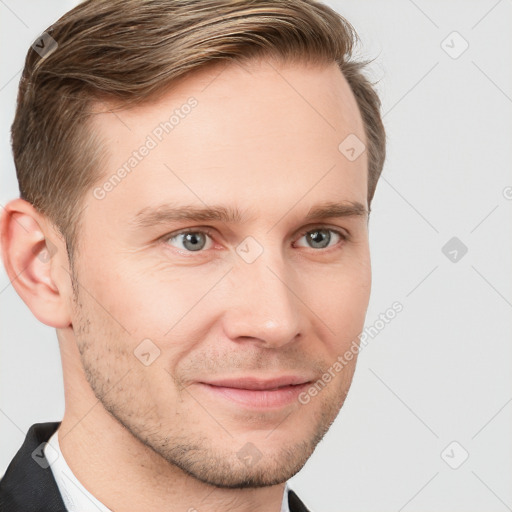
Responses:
[253,383]
[258,393]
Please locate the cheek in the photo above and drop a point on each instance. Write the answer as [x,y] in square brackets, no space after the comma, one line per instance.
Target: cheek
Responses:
[340,296]
[146,301]
[128,372]
[155,310]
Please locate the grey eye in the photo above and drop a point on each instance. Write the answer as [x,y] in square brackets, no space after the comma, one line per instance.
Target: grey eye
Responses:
[190,241]
[321,238]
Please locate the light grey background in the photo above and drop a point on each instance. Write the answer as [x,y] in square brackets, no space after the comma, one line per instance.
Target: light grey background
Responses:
[441,370]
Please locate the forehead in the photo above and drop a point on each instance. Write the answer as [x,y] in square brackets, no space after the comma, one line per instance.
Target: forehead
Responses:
[263,133]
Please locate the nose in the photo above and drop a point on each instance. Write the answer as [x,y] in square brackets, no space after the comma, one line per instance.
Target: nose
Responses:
[262,303]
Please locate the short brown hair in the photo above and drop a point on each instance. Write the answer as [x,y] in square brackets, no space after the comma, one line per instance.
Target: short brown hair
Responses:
[130,51]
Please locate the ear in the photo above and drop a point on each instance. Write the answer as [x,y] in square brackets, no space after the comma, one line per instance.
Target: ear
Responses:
[36,262]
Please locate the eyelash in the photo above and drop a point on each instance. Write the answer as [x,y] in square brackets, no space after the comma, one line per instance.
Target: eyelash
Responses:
[210,233]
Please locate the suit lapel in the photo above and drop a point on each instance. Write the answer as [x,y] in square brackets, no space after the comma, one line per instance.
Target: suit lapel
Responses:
[29,486]
[294,503]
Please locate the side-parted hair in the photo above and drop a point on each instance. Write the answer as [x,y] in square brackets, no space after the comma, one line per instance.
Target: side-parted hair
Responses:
[129,52]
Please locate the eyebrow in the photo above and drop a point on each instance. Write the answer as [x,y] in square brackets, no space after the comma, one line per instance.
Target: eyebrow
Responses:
[166,213]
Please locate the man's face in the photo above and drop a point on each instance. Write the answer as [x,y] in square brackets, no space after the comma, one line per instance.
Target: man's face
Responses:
[182,336]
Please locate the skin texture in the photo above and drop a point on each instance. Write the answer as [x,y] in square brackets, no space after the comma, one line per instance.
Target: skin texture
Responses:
[262,138]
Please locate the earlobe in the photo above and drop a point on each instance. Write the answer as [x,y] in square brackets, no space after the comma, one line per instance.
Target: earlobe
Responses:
[32,262]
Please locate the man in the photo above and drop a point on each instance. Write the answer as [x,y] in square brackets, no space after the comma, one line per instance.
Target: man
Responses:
[195,179]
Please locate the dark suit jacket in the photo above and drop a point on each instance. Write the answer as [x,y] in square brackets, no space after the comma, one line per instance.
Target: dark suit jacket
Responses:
[28,486]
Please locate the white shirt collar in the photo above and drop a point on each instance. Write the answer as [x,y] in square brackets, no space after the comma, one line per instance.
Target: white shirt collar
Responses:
[75,496]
